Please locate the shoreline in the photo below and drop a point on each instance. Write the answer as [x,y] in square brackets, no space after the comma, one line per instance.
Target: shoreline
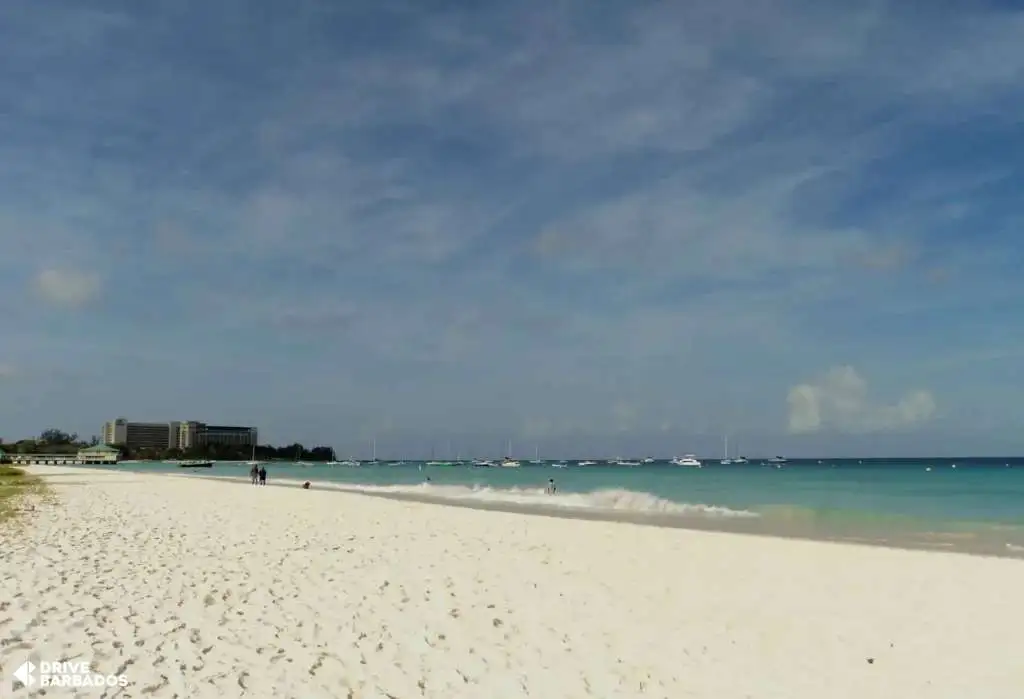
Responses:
[958,542]
[195,586]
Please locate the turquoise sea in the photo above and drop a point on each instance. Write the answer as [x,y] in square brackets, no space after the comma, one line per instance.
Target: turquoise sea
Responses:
[965,504]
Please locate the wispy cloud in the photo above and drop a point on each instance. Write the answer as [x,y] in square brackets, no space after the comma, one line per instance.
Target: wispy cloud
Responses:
[525,219]
[68,288]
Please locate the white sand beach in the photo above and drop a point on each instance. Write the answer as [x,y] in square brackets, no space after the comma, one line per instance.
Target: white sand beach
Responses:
[219,589]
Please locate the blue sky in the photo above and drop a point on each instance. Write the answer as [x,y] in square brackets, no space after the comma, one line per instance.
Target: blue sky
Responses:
[598,227]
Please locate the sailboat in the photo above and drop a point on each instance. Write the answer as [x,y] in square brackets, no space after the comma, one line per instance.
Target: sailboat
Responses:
[536,456]
[508,461]
[374,448]
[725,457]
[253,461]
[433,459]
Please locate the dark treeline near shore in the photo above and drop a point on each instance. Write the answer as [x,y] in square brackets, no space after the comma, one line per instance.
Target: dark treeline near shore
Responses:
[54,441]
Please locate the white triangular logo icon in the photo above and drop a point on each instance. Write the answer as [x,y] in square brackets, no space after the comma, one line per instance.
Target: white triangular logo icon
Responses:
[24,674]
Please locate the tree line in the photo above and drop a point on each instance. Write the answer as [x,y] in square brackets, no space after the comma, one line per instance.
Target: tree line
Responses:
[54,441]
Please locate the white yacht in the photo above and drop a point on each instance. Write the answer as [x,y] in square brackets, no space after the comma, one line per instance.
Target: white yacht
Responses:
[740,460]
[483,463]
[627,463]
[778,460]
[649,460]
[687,460]
[587,463]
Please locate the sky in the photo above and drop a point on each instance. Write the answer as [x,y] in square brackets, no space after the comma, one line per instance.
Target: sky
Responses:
[593,228]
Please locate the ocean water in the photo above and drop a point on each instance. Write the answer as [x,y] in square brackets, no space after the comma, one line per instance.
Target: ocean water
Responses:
[972,505]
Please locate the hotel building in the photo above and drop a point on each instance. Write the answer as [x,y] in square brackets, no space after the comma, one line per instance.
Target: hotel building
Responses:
[174,435]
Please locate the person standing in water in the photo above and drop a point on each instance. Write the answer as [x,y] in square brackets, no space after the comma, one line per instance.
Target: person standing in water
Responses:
[263,475]
[550,490]
[254,474]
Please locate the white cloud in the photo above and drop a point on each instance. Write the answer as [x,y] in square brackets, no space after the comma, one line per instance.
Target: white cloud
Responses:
[680,228]
[840,400]
[68,288]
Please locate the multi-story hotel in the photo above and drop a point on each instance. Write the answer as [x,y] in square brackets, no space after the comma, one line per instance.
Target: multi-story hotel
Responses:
[174,435]
[190,434]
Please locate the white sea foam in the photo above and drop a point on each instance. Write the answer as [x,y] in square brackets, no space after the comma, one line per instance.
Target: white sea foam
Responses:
[611,500]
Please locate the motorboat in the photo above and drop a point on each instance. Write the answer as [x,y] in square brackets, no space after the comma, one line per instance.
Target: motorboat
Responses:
[687,460]
[195,464]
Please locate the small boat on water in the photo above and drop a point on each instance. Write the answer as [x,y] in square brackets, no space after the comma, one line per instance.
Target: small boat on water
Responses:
[508,461]
[195,464]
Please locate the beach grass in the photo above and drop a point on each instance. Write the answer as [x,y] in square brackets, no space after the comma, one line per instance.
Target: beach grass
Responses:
[19,492]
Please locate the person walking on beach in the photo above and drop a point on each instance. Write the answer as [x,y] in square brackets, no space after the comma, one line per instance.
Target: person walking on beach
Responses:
[263,475]
[254,473]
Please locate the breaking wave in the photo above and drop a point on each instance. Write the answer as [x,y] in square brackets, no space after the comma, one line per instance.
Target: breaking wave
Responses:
[611,500]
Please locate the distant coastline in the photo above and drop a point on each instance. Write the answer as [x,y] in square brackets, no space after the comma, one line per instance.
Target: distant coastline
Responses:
[55,441]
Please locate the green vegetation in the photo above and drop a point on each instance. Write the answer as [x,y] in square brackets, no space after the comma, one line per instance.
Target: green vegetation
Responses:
[227,452]
[51,441]
[19,491]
